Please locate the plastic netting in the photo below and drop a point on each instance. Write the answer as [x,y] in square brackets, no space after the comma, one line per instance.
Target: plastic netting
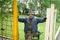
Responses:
[6,26]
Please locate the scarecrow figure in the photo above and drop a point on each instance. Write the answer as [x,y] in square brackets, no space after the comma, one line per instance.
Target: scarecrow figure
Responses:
[31,23]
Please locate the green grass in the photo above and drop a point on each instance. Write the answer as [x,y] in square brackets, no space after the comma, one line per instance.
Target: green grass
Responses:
[57,26]
[8,29]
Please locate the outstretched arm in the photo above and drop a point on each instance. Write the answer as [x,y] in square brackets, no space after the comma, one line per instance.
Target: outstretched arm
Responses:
[40,20]
[21,19]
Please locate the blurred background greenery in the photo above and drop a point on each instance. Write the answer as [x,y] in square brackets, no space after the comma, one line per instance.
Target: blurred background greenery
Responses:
[39,6]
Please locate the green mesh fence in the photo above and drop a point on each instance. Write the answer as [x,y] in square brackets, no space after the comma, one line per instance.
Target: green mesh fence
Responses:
[6,26]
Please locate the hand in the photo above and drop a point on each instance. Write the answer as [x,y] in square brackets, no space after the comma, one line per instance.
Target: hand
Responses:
[45,19]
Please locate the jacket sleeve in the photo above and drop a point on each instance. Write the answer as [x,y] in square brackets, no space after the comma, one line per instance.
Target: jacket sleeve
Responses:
[40,20]
[21,19]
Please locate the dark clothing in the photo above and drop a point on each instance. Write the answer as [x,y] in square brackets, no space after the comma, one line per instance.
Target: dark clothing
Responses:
[30,25]
[28,35]
[33,24]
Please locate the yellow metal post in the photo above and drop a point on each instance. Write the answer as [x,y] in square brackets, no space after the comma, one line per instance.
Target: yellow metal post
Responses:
[15,14]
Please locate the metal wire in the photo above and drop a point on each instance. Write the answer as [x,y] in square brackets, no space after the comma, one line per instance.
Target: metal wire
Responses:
[5,27]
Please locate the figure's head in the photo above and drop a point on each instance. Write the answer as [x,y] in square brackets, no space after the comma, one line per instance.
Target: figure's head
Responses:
[31,13]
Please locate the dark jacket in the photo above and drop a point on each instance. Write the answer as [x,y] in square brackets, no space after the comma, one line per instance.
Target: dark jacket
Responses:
[35,21]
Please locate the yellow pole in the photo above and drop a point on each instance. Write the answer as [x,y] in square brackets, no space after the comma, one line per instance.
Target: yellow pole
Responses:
[15,14]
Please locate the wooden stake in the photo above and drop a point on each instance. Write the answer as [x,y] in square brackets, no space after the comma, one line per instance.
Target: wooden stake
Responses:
[15,14]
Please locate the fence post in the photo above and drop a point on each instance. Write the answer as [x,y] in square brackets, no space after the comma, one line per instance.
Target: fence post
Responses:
[50,23]
[47,24]
[15,20]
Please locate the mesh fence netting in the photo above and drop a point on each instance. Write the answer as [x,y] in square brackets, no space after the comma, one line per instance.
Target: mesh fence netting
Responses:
[6,26]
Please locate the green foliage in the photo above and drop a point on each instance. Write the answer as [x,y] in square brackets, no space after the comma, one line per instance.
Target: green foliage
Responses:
[4,4]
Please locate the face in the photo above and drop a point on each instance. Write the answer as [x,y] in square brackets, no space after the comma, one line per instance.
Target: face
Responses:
[30,16]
